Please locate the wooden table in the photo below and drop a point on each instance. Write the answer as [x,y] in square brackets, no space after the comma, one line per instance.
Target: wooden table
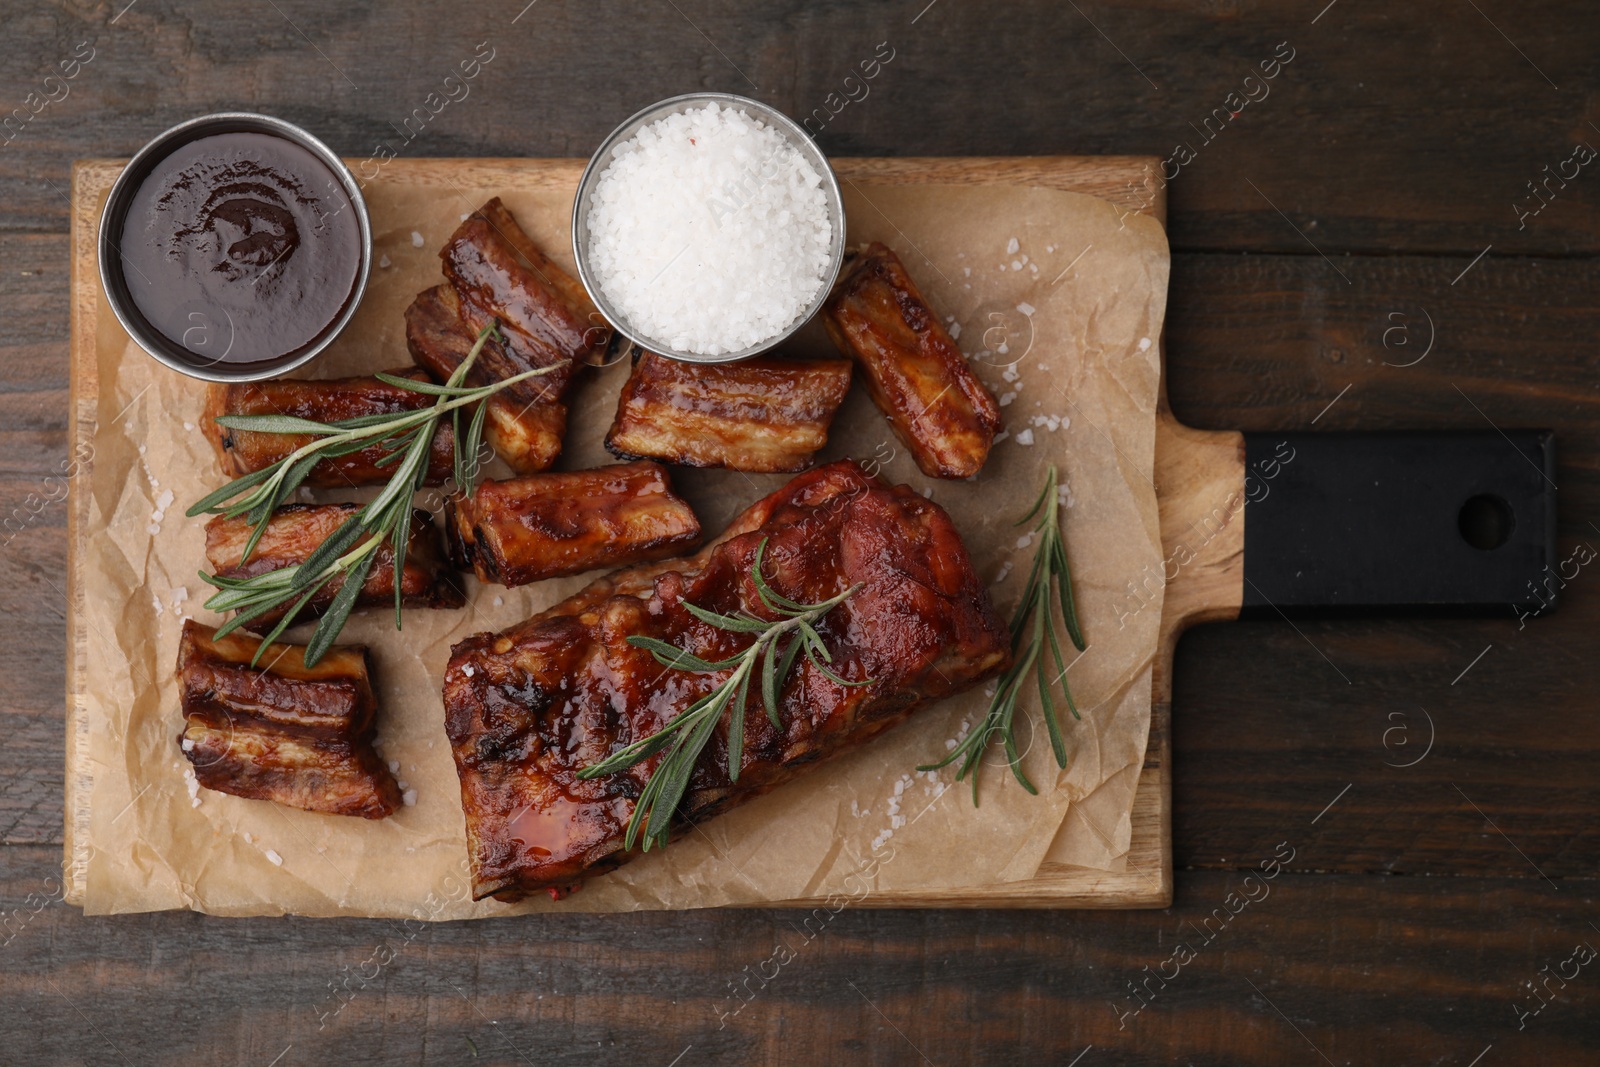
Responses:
[1378,194]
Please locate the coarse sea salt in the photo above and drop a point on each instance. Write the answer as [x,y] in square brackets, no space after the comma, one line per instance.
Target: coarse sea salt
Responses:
[709,231]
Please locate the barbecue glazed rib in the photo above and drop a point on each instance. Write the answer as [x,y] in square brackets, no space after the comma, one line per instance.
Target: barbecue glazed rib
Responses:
[762,414]
[546,525]
[285,732]
[527,709]
[522,426]
[915,372]
[496,274]
[295,531]
[245,451]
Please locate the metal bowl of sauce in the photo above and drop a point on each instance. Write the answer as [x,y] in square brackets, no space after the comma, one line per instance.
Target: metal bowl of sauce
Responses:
[235,247]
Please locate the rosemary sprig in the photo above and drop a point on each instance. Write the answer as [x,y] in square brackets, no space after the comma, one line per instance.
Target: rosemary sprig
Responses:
[352,549]
[691,729]
[1050,578]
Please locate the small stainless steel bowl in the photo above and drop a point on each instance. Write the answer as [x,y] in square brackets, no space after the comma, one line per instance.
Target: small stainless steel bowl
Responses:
[114,216]
[601,159]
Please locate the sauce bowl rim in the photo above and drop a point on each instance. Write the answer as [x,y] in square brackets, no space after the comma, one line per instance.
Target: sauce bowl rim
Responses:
[113,281]
[766,113]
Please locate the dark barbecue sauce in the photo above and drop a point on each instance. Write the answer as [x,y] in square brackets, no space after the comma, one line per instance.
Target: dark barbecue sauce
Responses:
[241,248]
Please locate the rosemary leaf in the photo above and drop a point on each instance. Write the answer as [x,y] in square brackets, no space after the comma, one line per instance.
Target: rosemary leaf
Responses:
[229,491]
[726,622]
[333,619]
[472,449]
[429,388]
[272,424]
[691,729]
[406,437]
[1048,578]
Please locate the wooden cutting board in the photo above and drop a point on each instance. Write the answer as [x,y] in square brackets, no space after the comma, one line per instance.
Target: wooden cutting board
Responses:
[1199,478]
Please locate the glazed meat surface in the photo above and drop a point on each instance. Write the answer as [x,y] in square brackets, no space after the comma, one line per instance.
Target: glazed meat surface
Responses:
[501,275]
[527,709]
[295,531]
[244,451]
[545,525]
[299,735]
[915,372]
[762,414]
[495,273]
[523,425]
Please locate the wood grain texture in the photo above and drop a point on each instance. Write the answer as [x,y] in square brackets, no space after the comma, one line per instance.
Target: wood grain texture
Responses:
[1428,159]
[1362,970]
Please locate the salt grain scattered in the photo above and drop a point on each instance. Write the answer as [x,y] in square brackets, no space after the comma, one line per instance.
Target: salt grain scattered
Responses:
[1144,344]
[955,331]
[1026,309]
[499,601]
[383,261]
[1012,246]
[709,231]
[1007,398]
[468,670]
[416,238]
[274,857]
[409,798]
[1025,437]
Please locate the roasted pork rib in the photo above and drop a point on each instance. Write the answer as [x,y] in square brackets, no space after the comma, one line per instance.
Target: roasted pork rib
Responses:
[295,531]
[529,708]
[245,451]
[762,414]
[914,371]
[495,274]
[545,525]
[299,735]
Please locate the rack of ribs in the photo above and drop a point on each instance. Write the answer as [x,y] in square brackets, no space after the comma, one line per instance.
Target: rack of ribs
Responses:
[527,709]
[546,525]
[766,414]
[296,530]
[494,273]
[917,376]
[299,735]
[246,451]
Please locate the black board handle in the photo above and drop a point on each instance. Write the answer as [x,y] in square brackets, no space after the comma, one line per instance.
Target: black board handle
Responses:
[1399,522]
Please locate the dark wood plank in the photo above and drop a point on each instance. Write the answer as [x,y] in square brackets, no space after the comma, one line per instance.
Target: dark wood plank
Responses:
[33,352]
[1366,970]
[1394,128]
[1264,723]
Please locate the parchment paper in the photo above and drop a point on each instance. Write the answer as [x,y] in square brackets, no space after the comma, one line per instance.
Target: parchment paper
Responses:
[1075,294]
